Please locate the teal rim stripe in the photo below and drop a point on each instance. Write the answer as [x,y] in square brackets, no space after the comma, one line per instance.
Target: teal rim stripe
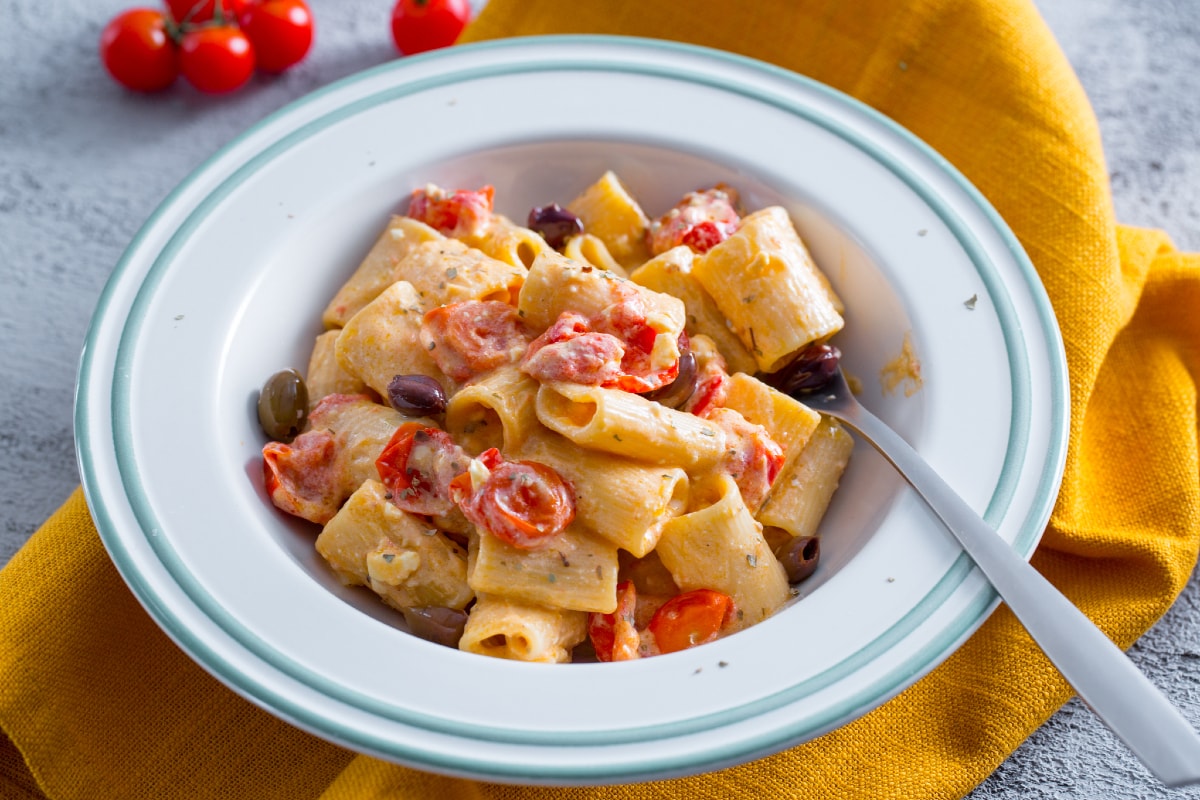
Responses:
[897,679]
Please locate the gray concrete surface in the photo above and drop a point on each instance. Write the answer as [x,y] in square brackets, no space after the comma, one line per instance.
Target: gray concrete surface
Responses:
[82,165]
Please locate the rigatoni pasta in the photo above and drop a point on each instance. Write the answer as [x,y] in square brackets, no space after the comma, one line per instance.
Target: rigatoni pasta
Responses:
[591,461]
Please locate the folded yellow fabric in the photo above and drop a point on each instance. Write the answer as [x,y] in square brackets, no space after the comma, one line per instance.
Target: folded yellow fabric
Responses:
[95,702]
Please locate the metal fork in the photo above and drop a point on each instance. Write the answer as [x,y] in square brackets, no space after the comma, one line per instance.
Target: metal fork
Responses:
[1101,674]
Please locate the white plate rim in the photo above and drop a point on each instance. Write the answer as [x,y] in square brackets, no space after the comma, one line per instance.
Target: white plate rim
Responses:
[967,622]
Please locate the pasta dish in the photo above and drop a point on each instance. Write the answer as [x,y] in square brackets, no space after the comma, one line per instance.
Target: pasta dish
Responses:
[569,439]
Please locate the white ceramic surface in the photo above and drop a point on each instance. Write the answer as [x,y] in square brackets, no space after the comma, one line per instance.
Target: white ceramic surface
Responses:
[225,283]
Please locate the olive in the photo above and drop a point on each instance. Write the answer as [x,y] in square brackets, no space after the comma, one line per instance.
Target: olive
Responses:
[436,624]
[677,392]
[799,557]
[416,395]
[283,405]
[808,371]
[555,224]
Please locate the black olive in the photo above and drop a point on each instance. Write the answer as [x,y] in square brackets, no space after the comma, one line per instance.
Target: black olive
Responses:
[283,405]
[808,371]
[416,395]
[436,624]
[677,392]
[799,557]
[555,224]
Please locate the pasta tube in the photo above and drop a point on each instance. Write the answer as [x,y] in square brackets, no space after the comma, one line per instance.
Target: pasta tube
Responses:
[325,374]
[496,410]
[576,570]
[611,214]
[802,492]
[556,284]
[371,542]
[384,340]
[587,248]
[671,273]
[448,271]
[378,270]
[789,422]
[718,545]
[605,487]
[506,628]
[765,283]
[506,241]
[629,425]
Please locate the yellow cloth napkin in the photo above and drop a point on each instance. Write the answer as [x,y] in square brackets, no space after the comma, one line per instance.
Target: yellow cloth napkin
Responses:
[95,702]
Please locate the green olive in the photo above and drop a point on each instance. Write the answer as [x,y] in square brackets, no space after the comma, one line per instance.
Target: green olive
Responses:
[283,405]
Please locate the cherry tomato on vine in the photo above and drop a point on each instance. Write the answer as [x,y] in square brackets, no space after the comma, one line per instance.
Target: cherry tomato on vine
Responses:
[137,50]
[216,58]
[196,11]
[421,25]
[280,30]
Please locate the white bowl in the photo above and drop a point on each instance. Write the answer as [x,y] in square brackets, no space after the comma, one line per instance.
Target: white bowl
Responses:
[225,284]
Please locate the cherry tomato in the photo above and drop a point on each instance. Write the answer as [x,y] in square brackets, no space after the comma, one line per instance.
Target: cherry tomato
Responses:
[522,503]
[701,220]
[280,30]
[458,213]
[417,466]
[421,25]
[196,11]
[615,636]
[216,58]
[473,336]
[138,52]
[689,619]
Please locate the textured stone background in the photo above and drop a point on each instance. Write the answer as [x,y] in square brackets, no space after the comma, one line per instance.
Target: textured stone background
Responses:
[83,164]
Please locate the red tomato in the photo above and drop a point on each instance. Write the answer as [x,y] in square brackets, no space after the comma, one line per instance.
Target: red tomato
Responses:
[137,50]
[280,30]
[522,503]
[689,619]
[614,636]
[417,466]
[458,213]
[701,220]
[197,11]
[216,58]
[421,25]
[473,336]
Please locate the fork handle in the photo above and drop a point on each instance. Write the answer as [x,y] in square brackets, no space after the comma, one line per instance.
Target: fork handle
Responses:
[1101,674]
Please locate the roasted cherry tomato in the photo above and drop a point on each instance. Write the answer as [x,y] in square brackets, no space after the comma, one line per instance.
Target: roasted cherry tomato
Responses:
[138,52]
[193,12]
[280,30]
[614,636]
[420,25]
[216,58]
[701,220]
[458,213]
[473,336]
[417,466]
[689,619]
[522,503]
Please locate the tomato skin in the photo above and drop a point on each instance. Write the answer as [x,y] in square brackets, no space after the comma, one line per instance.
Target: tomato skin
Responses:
[690,619]
[459,213]
[280,30]
[473,336]
[216,59]
[422,25]
[411,488]
[196,11]
[138,52]
[522,503]
[614,636]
